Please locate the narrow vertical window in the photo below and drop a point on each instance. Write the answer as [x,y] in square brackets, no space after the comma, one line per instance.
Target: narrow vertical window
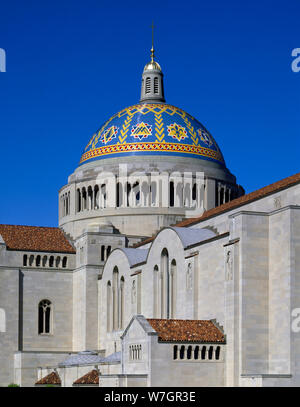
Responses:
[108,250]
[171,194]
[38,261]
[115,293]
[189,352]
[109,307]
[122,303]
[156,85]
[64,262]
[194,192]
[175,350]
[102,253]
[57,262]
[148,85]
[45,317]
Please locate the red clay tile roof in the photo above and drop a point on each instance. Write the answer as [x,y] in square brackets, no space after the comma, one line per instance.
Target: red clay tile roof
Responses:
[51,378]
[235,203]
[35,238]
[89,378]
[183,330]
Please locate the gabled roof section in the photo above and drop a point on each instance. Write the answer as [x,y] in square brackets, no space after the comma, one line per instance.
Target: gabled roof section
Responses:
[144,324]
[183,330]
[245,199]
[235,203]
[35,238]
[82,358]
[190,237]
[91,377]
[52,378]
[113,358]
[135,256]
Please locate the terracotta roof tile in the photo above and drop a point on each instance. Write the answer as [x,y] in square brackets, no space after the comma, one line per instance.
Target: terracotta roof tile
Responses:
[183,330]
[35,238]
[89,378]
[235,203]
[52,378]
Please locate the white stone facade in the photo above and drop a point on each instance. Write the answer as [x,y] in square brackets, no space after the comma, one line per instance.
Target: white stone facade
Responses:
[237,264]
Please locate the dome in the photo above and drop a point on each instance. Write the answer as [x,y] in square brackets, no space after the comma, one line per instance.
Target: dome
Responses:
[152,129]
[152,66]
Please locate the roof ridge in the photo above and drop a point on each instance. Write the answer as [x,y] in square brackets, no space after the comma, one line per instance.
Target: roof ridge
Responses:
[235,203]
[30,226]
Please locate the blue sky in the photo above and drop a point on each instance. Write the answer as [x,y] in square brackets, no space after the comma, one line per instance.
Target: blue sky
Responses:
[72,64]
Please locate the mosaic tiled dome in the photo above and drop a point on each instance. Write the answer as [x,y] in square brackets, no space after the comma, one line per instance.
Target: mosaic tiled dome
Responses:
[152,129]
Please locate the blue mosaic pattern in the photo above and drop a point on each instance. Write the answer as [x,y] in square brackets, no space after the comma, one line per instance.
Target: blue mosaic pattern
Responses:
[158,129]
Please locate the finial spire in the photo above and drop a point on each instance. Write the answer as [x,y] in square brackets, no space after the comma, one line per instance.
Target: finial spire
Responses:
[152,80]
[152,49]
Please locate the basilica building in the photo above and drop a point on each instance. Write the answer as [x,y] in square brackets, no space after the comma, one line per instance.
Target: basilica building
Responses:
[161,272]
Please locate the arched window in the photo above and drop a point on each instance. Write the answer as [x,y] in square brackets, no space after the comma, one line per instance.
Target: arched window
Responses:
[165,285]
[64,262]
[210,352]
[218,349]
[25,260]
[172,289]
[69,203]
[196,352]
[109,307]
[103,196]
[78,200]
[175,350]
[122,303]
[189,352]
[115,292]
[119,195]
[102,253]
[44,262]
[181,352]
[57,262]
[51,261]
[128,193]
[156,290]
[194,192]
[38,261]
[171,203]
[136,194]
[203,352]
[108,250]
[90,198]
[45,309]
[156,84]
[148,85]
[31,260]
[187,195]
[96,197]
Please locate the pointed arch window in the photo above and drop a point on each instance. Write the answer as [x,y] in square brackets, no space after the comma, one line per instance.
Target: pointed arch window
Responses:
[45,317]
